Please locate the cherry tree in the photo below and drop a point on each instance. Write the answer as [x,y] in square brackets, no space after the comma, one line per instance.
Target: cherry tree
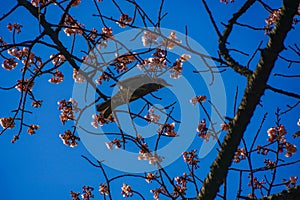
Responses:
[127,68]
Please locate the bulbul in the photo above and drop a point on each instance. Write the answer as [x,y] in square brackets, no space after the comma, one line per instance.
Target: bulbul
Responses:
[130,90]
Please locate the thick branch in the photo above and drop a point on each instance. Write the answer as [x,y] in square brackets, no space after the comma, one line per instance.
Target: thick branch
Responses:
[255,89]
[291,194]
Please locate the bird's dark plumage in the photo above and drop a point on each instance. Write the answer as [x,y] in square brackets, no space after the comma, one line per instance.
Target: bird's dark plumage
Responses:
[130,90]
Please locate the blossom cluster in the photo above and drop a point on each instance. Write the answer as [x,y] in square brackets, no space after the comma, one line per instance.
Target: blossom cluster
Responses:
[158,61]
[291,182]
[92,35]
[25,85]
[115,142]
[269,164]
[73,27]
[121,61]
[58,59]
[36,103]
[69,139]
[150,176]
[154,64]
[171,41]
[278,134]
[9,64]
[191,158]
[198,99]
[76,3]
[14,26]
[7,122]
[151,116]
[149,38]
[67,109]
[57,77]
[239,155]
[256,183]
[86,193]
[146,154]
[27,58]
[153,159]
[181,184]
[167,130]
[124,20]
[176,69]
[262,150]
[77,76]
[75,195]
[126,190]
[103,189]
[272,19]
[202,130]
[103,77]
[32,128]
[107,33]
[99,119]
[156,192]
[36,3]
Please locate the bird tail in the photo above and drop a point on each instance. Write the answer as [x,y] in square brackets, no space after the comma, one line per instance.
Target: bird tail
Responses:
[104,108]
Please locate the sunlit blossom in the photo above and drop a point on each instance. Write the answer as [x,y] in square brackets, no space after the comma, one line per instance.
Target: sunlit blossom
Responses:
[9,64]
[124,20]
[69,139]
[150,176]
[290,149]
[57,77]
[77,76]
[32,128]
[149,38]
[87,192]
[126,190]
[14,26]
[191,158]
[168,130]
[198,99]
[111,144]
[171,41]
[103,189]
[98,119]
[24,85]
[239,155]
[107,33]
[57,59]
[7,122]
[73,27]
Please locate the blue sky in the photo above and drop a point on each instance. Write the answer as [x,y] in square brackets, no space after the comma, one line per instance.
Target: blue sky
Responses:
[41,167]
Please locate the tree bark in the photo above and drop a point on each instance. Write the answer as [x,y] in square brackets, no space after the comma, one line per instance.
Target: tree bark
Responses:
[256,86]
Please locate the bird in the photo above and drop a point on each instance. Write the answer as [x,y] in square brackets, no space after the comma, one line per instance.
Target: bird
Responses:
[130,90]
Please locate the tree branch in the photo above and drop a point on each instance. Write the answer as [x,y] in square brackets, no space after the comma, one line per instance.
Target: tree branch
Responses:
[60,47]
[254,91]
